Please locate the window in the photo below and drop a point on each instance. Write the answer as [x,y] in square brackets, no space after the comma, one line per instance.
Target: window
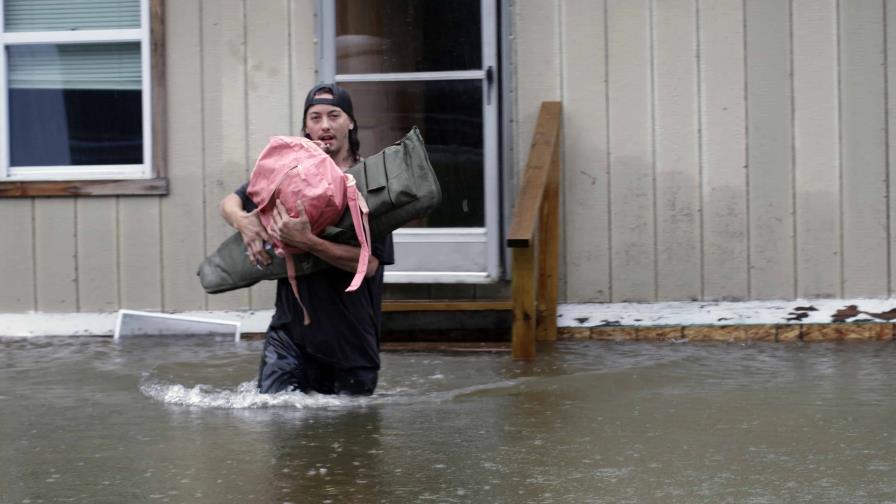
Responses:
[77,98]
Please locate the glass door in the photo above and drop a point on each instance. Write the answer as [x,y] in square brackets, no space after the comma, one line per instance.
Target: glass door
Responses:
[430,64]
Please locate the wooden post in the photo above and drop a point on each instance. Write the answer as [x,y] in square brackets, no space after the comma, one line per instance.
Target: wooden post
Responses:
[548,254]
[523,303]
[534,236]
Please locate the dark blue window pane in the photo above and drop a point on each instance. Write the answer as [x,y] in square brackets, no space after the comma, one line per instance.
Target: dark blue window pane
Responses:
[59,127]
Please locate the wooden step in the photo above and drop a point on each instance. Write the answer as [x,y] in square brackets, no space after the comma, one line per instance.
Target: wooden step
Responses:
[419,305]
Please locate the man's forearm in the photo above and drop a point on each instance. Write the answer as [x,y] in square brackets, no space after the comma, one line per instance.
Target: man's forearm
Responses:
[231,209]
[344,257]
[249,226]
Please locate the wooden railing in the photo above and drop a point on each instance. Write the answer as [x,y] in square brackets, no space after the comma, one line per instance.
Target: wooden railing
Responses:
[534,237]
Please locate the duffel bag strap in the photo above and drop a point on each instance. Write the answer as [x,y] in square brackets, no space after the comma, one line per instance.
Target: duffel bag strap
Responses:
[358,208]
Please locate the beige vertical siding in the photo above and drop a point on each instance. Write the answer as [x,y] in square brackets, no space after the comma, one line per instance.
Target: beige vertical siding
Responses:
[890,20]
[17,248]
[183,209]
[97,261]
[770,149]
[723,141]
[54,254]
[676,149]
[748,147]
[223,120]
[863,149]
[816,150]
[629,119]
[302,57]
[537,46]
[586,223]
[140,253]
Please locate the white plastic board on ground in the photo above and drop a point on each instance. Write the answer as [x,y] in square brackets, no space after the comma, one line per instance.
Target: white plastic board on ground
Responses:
[138,323]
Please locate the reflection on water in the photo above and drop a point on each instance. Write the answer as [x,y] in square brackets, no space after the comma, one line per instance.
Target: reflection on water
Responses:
[91,420]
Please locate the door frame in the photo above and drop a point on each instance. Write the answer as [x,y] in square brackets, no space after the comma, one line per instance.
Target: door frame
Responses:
[485,240]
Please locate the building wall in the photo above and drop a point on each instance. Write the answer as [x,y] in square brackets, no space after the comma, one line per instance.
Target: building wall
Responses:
[716,149]
[712,150]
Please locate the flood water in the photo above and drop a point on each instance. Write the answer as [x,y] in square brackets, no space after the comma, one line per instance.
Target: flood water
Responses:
[97,421]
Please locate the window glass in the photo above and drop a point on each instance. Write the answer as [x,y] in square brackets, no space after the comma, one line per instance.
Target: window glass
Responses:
[54,15]
[75,104]
[449,115]
[383,36]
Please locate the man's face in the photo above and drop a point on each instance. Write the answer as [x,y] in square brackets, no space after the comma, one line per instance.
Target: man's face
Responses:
[328,124]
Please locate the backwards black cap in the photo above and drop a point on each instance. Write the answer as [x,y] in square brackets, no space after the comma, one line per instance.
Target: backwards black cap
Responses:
[340,99]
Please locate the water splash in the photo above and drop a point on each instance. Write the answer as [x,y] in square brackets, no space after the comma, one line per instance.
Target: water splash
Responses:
[246,396]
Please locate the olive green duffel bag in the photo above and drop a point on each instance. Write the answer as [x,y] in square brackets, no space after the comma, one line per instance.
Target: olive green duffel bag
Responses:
[399,186]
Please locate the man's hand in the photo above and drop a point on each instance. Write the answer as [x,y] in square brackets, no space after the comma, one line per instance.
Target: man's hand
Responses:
[254,236]
[295,232]
[249,226]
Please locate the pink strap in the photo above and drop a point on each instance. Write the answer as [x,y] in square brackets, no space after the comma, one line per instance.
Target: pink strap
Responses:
[291,272]
[358,208]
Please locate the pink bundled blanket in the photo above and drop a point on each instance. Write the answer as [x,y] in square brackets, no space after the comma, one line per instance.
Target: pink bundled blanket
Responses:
[295,169]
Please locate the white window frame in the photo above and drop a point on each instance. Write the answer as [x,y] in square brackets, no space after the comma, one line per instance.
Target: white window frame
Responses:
[476,247]
[80,172]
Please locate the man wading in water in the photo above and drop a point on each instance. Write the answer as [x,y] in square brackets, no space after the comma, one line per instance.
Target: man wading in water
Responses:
[339,352]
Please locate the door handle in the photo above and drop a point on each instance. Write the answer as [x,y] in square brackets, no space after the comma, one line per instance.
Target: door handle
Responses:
[489,84]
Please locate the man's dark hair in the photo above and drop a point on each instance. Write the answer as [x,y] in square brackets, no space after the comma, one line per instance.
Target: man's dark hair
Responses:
[340,99]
